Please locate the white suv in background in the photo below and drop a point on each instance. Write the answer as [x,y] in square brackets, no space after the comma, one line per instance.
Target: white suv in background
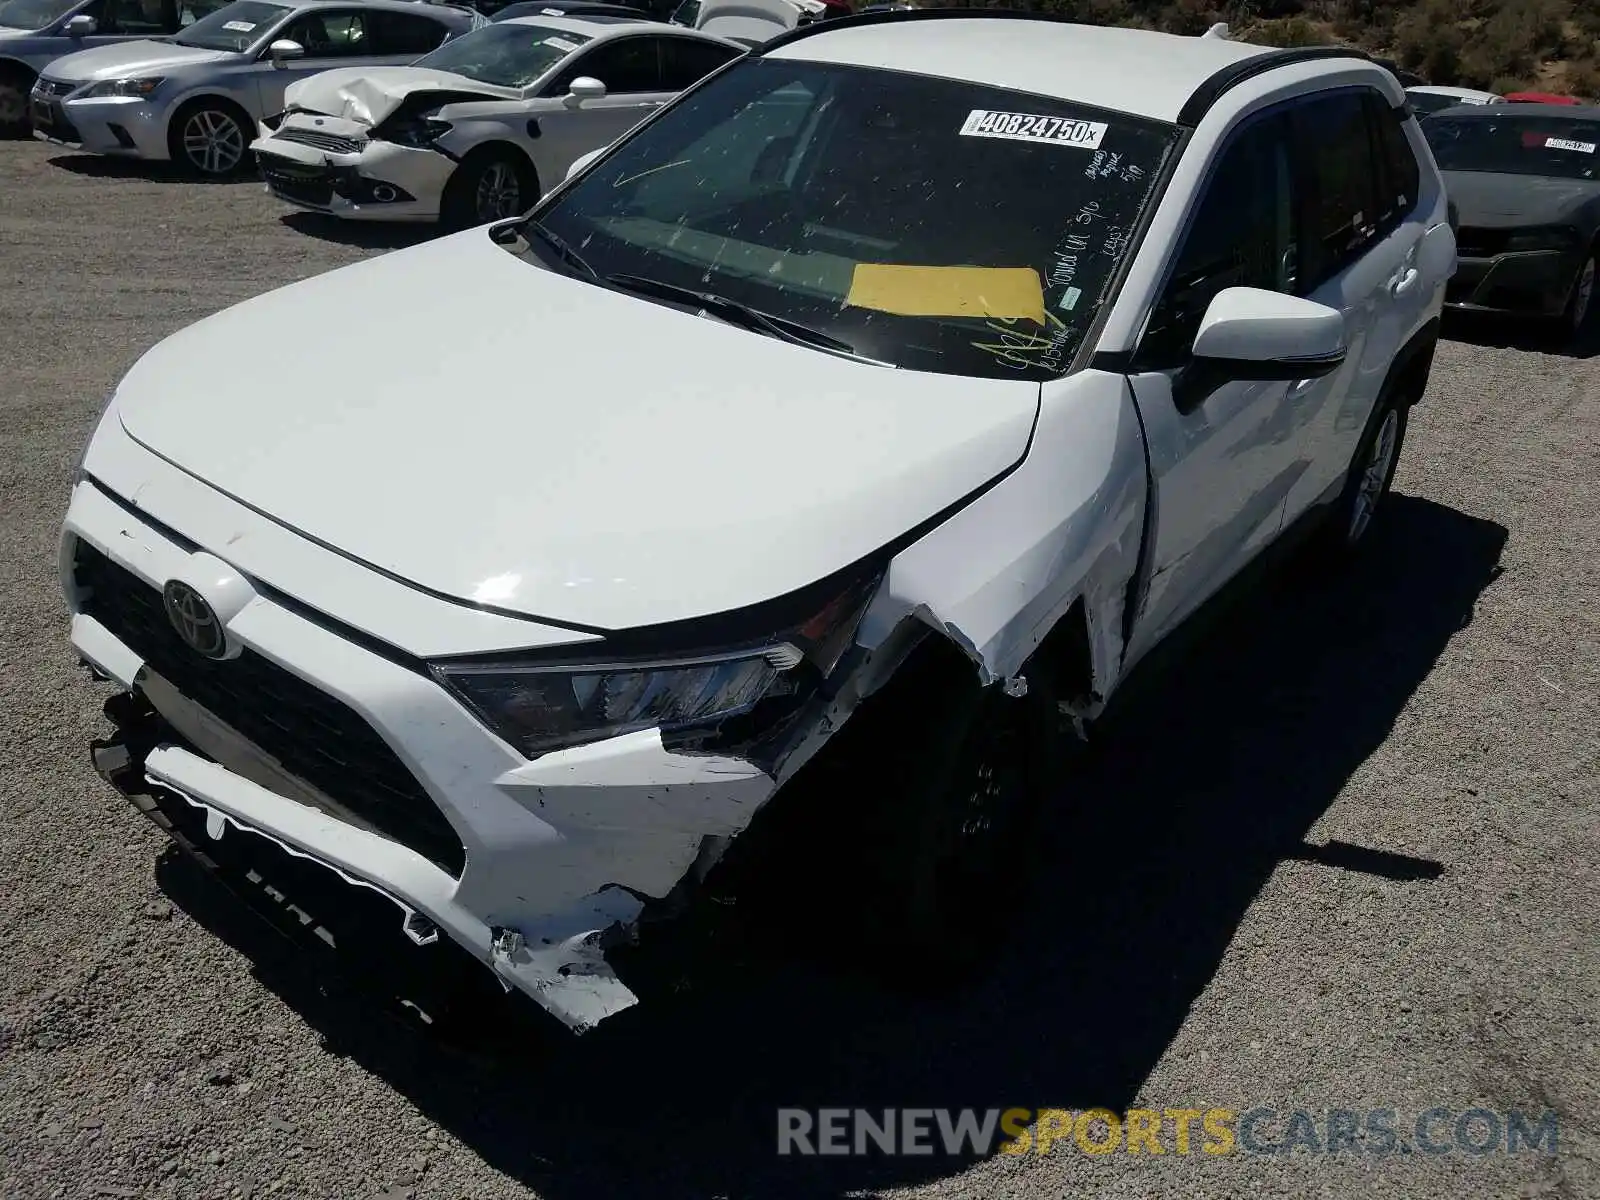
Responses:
[495,634]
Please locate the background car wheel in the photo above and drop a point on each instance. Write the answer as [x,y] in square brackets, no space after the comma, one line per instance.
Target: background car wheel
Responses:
[490,185]
[1580,304]
[14,88]
[211,139]
[1371,475]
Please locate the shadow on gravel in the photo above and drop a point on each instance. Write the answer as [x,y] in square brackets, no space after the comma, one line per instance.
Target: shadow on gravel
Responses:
[1519,333]
[1201,788]
[368,235]
[99,166]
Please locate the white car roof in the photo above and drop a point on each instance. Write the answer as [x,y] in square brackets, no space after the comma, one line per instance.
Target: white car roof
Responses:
[1127,70]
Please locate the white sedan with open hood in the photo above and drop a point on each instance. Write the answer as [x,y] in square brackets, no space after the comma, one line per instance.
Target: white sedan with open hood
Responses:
[786,489]
[475,130]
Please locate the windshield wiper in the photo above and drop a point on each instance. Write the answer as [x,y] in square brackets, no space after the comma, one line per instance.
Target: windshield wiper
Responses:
[735,313]
[570,256]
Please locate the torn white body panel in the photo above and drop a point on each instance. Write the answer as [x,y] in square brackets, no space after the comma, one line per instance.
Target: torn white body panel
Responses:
[1064,526]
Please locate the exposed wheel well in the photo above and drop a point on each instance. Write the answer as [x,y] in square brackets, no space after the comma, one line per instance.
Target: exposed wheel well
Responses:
[485,149]
[1414,363]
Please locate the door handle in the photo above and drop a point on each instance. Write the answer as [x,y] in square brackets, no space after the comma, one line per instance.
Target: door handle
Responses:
[1406,283]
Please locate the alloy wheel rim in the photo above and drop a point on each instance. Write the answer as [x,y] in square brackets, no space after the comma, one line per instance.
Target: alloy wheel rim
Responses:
[1583,294]
[213,142]
[1375,475]
[12,105]
[499,192]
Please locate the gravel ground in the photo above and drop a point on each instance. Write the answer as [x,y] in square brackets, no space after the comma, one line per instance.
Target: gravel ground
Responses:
[1346,859]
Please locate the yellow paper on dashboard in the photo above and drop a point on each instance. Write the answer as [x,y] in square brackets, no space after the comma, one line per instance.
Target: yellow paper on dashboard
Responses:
[1007,293]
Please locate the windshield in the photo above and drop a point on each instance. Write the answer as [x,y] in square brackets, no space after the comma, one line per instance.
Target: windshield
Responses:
[1524,144]
[234,27]
[507,55]
[932,224]
[34,14]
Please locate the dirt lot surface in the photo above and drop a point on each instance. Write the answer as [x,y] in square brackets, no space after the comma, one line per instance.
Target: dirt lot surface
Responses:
[1349,860]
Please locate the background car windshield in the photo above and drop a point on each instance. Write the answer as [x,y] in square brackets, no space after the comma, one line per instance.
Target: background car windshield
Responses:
[34,14]
[1431,102]
[506,55]
[932,224]
[1521,145]
[234,27]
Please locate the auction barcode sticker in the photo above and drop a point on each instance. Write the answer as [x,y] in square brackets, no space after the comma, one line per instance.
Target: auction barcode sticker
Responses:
[1565,144]
[1030,127]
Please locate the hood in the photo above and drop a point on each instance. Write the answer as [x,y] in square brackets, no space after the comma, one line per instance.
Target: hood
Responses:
[369,94]
[130,58]
[1492,201]
[494,431]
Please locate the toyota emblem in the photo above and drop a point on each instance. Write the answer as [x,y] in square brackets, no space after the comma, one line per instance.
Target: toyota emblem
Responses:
[194,619]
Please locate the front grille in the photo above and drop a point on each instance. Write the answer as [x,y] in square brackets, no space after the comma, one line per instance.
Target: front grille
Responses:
[331,142]
[313,736]
[291,181]
[1480,243]
[53,87]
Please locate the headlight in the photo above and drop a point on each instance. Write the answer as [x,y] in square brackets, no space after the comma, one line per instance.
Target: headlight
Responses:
[124,87]
[541,707]
[414,133]
[1544,237]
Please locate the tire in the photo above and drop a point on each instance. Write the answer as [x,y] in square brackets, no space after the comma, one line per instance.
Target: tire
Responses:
[211,139]
[953,849]
[1577,316]
[15,84]
[491,184]
[1367,485]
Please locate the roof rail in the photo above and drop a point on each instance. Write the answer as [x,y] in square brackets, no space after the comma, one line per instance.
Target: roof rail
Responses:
[1231,76]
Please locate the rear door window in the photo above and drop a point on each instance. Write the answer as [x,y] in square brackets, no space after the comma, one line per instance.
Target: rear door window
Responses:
[1399,177]
[403,33]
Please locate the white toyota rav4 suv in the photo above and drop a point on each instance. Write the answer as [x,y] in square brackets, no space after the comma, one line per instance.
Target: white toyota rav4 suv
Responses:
[842,434]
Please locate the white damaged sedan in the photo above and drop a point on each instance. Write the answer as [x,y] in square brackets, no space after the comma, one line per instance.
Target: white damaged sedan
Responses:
[474,131]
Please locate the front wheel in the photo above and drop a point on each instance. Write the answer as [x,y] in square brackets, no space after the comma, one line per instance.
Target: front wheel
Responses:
[210,140]
[491,185]
[14,88]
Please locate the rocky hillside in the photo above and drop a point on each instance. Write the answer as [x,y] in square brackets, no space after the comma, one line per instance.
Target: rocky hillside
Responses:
[1551,45]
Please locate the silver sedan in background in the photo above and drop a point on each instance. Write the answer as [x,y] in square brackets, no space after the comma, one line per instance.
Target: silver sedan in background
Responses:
[34,33]
[196,98]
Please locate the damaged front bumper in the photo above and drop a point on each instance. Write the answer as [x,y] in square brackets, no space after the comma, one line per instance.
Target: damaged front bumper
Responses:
[311,749]
[346,174]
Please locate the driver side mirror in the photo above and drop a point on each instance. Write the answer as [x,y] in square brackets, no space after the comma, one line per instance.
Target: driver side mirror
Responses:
[284,49]
[1252,333]
[80,27]
[584,87]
